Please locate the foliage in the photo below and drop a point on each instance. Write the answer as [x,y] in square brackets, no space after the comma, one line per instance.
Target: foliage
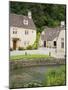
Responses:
[11,49]
[29,47]
[36,43]
[21,48]
[42,14]
[55,77]
[33,84]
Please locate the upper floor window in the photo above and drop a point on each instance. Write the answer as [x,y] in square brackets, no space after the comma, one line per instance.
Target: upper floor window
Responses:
[14,30]
[42,37]
[26,32]
[25,22]
[62,39]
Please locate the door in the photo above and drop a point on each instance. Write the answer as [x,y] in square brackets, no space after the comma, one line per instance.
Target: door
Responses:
[44,43]
[14,44]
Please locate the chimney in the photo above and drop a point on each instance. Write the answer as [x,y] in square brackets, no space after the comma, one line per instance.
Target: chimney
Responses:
[62,24]
[29,15]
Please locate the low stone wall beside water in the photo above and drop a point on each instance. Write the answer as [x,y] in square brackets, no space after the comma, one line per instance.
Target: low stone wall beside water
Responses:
[35,62]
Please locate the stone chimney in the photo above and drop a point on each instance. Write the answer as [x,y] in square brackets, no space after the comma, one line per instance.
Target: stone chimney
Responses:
[29,14]
[62,24]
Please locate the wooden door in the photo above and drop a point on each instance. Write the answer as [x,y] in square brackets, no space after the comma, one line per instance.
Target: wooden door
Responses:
[44,43]
[14,44]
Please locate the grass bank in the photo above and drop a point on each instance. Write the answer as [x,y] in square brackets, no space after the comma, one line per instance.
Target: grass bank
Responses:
[33,56]
[55,77]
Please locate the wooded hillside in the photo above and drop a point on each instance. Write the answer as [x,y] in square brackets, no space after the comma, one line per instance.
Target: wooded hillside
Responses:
[42,14]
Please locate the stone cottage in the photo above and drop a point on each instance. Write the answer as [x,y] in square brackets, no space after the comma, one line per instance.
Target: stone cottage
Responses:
[53,38]
[22,31]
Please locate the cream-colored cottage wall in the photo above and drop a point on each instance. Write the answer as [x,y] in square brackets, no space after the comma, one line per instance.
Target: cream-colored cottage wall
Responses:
[11,32]
[48,43]
[61,35]
[28,38]
[13,29]
[41,42]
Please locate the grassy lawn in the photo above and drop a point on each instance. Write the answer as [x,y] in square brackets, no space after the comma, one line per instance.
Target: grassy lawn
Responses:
[17,57]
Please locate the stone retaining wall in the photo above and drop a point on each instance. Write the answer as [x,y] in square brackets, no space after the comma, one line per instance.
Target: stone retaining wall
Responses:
[35,62]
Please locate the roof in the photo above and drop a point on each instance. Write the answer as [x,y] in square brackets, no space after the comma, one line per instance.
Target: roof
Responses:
[51,33]
[17,21]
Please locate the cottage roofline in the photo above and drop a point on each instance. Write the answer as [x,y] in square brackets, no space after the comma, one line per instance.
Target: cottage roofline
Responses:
[17,21]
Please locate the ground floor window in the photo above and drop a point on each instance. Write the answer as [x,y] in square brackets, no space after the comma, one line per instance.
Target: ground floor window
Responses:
[62,44]
[55,43]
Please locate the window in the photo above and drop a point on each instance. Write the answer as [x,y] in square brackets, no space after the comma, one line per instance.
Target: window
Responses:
[26,32]
[42,37]
[14,32]
[24,42]
[25,22]
[32,31]
[62,44]
[54,43]
[28,42]
[62,39]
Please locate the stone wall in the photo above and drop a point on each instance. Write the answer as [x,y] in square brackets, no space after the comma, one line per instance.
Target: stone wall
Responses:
[35,62]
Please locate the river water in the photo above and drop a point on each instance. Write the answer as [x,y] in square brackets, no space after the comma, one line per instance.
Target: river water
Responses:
[29,74]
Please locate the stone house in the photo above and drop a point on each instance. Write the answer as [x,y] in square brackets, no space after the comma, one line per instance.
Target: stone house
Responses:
[22,31]
[53,38]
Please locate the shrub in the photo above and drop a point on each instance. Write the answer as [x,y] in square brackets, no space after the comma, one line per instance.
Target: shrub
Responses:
[35,46]
[33,84]
[36,43]
[29,47]
[55,77]
[21,48]
[11,49]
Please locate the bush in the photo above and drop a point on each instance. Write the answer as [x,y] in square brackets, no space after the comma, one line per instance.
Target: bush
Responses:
[11,49]
[35,46]
[29,47]
[33,84]
[36,43]
[21,48]
[55,77]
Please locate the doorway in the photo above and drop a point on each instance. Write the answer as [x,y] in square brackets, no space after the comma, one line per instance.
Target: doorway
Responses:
[55,44]
[44,43]
[14,44]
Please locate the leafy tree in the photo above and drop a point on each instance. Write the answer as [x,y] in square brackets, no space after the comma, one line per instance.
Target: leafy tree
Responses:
[43,14]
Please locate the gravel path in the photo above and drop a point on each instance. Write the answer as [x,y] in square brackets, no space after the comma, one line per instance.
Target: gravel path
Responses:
[40,51]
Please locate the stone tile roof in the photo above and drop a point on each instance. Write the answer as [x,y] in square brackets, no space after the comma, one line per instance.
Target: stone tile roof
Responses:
[17,21]
[51,33]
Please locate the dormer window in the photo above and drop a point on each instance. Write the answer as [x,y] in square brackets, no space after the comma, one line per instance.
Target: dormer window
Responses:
[25,22]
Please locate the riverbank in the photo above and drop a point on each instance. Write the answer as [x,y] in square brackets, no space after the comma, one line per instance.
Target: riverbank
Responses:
[38,76]
[35,62]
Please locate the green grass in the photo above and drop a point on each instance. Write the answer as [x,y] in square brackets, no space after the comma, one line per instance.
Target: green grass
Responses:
[33,56]
[55,77]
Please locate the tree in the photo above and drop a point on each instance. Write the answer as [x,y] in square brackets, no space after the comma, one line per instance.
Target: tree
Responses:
[43,14]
